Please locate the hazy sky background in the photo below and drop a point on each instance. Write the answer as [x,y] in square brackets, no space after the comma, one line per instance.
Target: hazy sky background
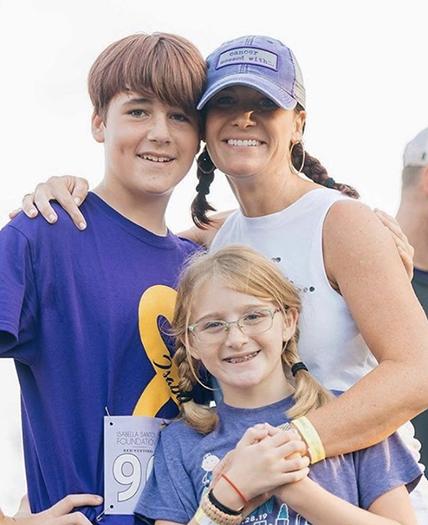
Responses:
[365,70]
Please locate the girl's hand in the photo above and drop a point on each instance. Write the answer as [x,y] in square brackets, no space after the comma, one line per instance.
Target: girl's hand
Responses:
[259,432]
[69,191]
[260,463]
[58,514]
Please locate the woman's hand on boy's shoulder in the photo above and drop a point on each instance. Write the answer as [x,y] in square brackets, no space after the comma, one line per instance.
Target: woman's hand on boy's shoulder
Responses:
[68,191]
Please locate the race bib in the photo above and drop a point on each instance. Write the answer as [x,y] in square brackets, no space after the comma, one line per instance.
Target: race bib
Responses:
[129,445]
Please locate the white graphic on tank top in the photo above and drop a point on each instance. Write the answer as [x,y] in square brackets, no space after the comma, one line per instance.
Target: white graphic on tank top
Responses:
[300,288]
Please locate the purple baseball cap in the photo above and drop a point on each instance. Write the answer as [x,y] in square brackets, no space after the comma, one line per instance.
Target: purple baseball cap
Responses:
[259,62]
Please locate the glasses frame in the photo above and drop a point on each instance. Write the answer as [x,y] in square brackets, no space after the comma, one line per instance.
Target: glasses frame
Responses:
[228,324]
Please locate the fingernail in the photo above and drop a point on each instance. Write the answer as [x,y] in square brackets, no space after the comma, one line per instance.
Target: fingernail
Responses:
[52,218]
[82,225]
[99,498]
[32,212]
[77,200]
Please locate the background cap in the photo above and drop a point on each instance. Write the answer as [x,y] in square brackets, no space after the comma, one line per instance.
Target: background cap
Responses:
[259,62]
[416,151]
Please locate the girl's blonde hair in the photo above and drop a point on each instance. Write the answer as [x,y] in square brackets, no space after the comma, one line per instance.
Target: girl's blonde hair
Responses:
[246,271]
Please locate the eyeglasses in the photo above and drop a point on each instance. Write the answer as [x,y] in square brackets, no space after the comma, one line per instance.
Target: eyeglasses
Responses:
[252,323]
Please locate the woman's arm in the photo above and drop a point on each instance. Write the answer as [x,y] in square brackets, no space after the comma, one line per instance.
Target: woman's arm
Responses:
[71,191]
[363,264]
[320,507]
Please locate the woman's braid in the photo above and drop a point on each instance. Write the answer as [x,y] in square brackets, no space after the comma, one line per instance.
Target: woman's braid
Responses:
[200,205]
[313,169]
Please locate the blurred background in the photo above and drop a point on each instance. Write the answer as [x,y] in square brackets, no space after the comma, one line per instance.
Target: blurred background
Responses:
[365,70]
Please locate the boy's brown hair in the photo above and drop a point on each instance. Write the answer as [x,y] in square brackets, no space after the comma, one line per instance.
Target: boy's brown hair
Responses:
[161,64]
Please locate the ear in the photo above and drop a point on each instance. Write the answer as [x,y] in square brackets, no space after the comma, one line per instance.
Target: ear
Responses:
[290,324]
[98,127]
[424,180]
[298,126]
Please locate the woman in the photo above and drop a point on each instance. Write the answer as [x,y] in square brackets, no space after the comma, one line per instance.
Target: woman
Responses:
[354,288]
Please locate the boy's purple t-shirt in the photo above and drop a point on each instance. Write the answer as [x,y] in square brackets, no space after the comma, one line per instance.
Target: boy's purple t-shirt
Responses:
[70,308]
[179,478]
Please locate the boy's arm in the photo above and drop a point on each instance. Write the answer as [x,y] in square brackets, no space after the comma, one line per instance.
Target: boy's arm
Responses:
[18,296]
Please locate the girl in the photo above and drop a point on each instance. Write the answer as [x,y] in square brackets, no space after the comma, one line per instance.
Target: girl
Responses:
[236,317]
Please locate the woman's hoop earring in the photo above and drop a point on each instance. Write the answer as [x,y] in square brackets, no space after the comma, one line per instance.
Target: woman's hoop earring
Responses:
[292,167]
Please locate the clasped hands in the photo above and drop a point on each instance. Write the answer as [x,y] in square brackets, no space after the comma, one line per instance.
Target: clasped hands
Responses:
[266,462]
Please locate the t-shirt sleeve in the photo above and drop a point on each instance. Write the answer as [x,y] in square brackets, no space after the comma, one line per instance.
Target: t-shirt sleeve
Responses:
[169,493]
[18,302]
[383,467]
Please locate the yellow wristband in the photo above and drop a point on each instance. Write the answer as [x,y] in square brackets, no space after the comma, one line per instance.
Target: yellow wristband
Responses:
[311,437]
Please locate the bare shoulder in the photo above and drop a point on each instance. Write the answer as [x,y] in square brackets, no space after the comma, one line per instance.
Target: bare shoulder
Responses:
[351,217]
[354,235]
[363,264]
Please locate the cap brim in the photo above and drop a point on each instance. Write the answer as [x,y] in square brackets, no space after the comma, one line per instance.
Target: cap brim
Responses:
[271,90]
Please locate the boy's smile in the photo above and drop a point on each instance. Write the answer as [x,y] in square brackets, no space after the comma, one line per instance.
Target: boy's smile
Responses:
[149,145]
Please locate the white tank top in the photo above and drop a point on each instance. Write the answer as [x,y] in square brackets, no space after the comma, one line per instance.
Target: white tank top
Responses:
[330,343]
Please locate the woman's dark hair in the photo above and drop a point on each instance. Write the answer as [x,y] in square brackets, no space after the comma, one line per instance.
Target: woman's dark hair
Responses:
[200,205]
[312,168]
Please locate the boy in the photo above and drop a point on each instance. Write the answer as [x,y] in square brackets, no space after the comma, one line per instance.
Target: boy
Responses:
[79,312]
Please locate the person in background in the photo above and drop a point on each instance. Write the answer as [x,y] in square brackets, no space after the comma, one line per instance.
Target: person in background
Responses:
[413,218]
[412,214]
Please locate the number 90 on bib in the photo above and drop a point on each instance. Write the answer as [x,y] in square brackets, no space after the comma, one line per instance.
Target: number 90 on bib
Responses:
[129,445]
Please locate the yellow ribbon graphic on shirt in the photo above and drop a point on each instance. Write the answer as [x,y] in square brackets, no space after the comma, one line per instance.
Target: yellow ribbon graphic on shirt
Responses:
[157,301]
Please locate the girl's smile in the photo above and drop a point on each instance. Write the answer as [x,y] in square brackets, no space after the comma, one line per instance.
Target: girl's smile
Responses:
[248,368]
